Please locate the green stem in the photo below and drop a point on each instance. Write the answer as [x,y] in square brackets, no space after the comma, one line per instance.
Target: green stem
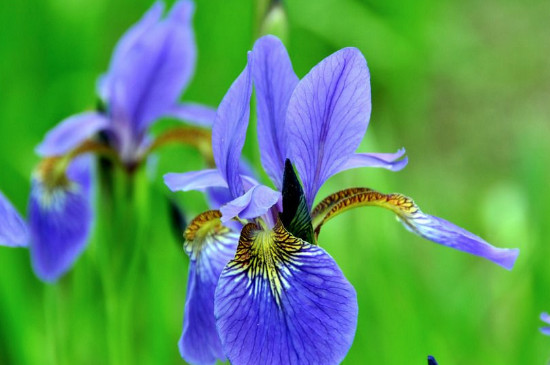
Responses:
[55,311]
[49,319]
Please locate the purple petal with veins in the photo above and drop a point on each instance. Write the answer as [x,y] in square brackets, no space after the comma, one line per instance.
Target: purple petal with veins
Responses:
[274,82]
[229,130]
[327,117]
[284,301]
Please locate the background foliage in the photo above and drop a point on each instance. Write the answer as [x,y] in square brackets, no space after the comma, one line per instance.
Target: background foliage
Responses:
[464,86]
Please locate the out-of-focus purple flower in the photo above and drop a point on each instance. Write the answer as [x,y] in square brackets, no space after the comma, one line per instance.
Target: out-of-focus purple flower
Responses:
[282,298]
[59,217]
[431,360]
[13,230]
[545,317]
[151,66]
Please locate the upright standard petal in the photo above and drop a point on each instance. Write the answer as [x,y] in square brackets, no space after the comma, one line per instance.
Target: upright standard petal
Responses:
[431,360]
[284,301]
[274,81]
[210,246]
[327,117]
[71,132]
[229,130]
[13,230]
[155,69]
[60,217]
[427,226]
[127,42]
[545,317]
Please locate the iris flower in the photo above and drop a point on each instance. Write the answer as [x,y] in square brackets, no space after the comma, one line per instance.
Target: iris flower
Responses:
[151,65]
[267,293]
[545,317]
[431,360]
[59,217]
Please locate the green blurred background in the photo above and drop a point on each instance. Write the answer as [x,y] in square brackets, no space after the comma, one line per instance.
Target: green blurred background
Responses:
[463,85]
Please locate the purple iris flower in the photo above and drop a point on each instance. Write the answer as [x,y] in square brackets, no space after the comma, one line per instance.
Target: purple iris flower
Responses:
[151,66]
[59,217]
[280,298]
[431,360]
[545,317]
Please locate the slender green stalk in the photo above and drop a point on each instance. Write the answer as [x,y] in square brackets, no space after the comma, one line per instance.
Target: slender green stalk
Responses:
[122,225]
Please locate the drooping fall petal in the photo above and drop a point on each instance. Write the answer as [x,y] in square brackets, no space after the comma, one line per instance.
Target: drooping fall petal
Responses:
[427,226]
[284,301]
[60,218]
[210,246]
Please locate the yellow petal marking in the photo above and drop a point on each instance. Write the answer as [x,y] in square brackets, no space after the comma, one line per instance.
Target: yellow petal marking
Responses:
[267,257]
[203,227]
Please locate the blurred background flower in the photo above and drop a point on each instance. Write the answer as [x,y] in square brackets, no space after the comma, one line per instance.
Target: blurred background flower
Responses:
[464,86]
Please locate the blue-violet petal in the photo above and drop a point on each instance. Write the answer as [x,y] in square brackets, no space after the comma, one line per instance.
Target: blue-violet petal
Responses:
[229,130]
[327,117]
[284,301]
[13,229]
[210,246]
[60,218]
[71,132]
[274,81]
